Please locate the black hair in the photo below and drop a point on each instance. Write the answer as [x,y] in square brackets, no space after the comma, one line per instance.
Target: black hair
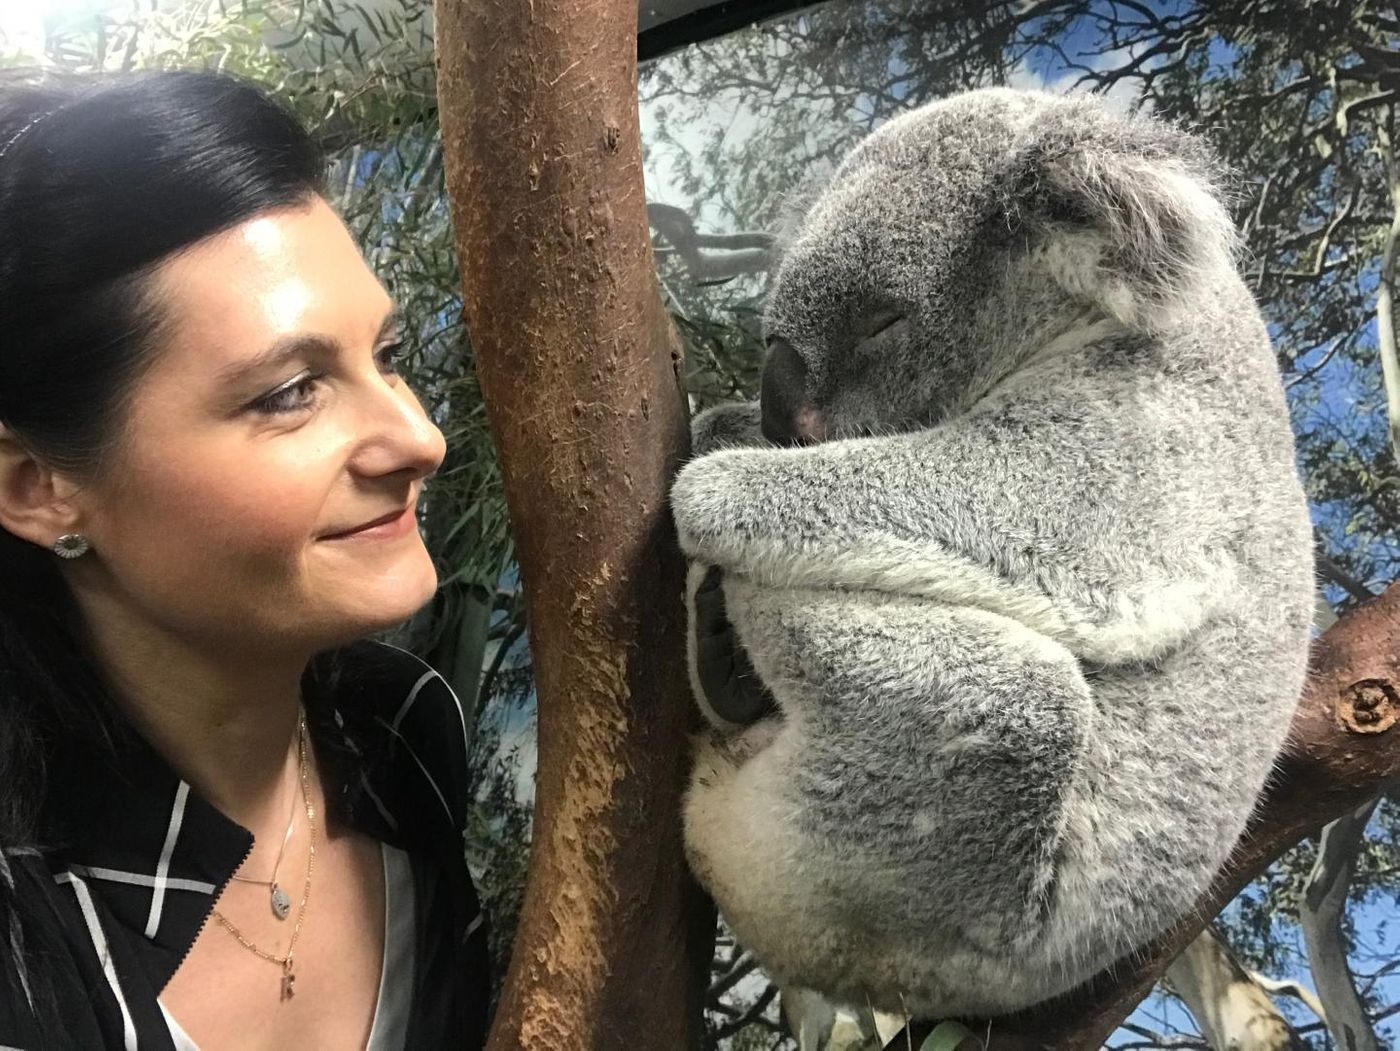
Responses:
[101,178]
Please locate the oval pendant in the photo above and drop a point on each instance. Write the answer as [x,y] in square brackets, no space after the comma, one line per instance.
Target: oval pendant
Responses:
[281,904]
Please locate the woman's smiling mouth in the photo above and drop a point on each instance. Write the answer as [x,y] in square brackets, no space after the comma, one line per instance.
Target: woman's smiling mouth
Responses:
[386,527]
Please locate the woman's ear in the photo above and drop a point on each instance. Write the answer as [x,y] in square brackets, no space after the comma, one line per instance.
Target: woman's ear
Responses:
[35,501]
[1134,221]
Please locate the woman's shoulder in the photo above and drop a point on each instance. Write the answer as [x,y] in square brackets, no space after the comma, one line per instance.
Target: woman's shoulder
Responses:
[392,682]
[402,726]
[40,961]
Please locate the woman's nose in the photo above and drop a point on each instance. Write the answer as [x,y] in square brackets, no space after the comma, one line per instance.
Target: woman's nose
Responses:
[401,436]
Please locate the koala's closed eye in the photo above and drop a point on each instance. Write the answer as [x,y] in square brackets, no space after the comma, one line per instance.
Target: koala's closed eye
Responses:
[881,320]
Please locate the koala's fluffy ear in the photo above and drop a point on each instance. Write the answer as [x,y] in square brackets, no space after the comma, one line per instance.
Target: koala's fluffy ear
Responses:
[794,206]
[1135,220]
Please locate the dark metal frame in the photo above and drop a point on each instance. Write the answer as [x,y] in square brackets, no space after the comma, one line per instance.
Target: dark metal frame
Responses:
[710,22]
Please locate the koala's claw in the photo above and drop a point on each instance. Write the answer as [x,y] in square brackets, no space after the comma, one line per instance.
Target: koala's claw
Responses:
[733,689]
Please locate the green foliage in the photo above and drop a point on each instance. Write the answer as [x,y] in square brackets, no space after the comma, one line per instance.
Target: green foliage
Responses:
[499,835]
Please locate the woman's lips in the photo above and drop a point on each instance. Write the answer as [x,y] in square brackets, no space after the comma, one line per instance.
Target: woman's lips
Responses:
[388,527]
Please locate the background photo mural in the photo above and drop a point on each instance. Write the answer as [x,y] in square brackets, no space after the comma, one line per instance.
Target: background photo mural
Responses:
[741,119]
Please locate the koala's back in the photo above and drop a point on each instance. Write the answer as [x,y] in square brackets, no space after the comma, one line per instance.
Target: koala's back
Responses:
[1182,742]
[1160,458]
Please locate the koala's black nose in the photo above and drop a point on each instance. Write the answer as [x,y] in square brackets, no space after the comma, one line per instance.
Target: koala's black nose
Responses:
[789,416]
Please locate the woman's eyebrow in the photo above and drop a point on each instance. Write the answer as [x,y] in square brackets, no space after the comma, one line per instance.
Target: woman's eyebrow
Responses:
[289,348]
[285,350]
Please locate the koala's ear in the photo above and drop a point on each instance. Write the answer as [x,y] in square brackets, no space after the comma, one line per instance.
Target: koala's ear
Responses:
[1137,226]
[793,208]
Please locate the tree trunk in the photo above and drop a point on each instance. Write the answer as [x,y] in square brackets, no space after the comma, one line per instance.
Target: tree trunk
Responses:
[1232,1011]
[1320,916]
[580,373]
[1385,290]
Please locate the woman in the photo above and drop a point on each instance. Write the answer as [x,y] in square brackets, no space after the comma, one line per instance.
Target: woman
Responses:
[226,823]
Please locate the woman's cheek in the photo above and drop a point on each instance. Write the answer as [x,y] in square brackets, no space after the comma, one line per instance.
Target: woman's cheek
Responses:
[254,507]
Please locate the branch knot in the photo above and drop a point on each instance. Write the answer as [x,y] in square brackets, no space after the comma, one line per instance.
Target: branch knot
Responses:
[1369,706]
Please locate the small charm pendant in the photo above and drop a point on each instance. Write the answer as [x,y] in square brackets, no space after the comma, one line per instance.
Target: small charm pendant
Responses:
[281,903]
[289,981]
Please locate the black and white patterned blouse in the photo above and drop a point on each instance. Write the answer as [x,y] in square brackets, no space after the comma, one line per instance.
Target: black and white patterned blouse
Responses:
[133,860]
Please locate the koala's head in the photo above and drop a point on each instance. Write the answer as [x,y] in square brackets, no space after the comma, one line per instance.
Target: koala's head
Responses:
[958,234]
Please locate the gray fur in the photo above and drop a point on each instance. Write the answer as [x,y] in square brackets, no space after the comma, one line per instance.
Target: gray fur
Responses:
[1037,617]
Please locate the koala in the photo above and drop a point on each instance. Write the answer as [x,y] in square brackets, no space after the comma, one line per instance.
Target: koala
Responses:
[1001,593]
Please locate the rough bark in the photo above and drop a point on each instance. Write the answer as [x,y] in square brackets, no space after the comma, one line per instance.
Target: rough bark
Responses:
[580,373]
[1233,1012]
[1343,750]
[1320,916]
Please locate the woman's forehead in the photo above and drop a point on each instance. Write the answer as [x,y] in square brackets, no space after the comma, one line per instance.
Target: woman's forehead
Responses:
[280,273]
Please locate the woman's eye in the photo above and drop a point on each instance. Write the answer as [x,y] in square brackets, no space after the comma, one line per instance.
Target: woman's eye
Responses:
[300,394]
[389,356]
[294,397]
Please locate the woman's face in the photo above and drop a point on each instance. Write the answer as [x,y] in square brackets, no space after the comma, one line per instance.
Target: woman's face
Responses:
[269,427]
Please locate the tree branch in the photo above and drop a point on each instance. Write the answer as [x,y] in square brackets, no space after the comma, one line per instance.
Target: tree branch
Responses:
[749,1017]
[1329,571]
[1342,752]
[1288,987]
[1320,917]
[1154,1039]
[1385,294]
[741,967]
[1232,1010]
[710,257]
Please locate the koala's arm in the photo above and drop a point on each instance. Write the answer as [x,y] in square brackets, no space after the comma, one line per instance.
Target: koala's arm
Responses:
[1097,510]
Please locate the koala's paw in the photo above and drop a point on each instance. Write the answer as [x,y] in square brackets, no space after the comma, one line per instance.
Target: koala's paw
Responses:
[734,510]
[732,689]
[727,427]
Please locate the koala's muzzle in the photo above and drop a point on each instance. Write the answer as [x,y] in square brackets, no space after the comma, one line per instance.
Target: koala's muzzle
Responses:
[789,414]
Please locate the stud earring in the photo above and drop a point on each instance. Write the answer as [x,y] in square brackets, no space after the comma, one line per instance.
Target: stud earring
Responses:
[71,545]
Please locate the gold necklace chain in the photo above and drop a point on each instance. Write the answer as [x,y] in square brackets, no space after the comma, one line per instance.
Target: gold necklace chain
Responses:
[281,850]
[278,898]
[285,961]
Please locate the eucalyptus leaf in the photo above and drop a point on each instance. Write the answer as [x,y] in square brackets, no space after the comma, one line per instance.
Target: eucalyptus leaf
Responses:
[951,1036]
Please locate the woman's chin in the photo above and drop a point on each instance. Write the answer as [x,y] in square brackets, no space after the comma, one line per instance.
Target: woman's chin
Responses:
[386,599]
